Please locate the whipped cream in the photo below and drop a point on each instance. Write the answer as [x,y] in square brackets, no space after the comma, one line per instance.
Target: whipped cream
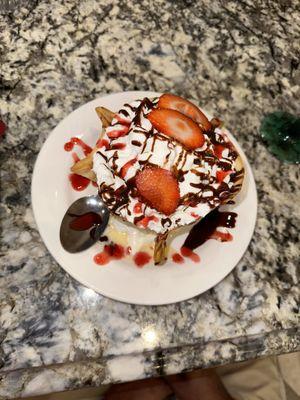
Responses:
[131,142]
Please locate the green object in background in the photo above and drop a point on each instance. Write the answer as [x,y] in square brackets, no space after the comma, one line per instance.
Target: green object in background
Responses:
[281,133]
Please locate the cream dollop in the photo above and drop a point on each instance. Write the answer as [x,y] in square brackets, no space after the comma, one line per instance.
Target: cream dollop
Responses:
[140,143]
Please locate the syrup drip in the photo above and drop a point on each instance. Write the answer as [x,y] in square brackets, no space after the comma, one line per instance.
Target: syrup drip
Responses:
[177,258]
[186,252]
[206,228]
[111,252]
[141,258]
[76,141]
[78,182]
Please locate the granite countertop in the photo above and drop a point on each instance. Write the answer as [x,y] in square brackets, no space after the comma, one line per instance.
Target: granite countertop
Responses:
[239,60]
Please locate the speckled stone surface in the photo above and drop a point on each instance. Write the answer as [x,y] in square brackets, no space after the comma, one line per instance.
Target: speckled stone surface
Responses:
[239,60]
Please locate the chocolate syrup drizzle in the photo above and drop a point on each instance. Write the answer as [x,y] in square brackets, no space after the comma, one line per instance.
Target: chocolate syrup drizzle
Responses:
[118,199]
[204,229]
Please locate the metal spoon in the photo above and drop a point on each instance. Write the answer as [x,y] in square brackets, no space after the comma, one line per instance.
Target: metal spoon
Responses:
[83,223]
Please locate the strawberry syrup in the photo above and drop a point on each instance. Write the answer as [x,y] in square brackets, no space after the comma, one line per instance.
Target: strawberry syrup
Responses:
[102,143]
[110,252]
[141,258]
[114,251]
[177,258]
[78,182]
[76,141]
[186,252]
[137,209]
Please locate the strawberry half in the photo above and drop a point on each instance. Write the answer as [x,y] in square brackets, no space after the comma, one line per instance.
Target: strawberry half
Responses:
[159,188]
[177,126]
[173,102]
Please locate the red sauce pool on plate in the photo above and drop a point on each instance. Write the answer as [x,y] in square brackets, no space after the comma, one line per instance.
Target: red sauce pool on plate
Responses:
[79,142]
[69,146]
[102,143]
[78,182]
[177,258]
[141,258]
[110,252]
[101,258]
[115,251]
[186,252]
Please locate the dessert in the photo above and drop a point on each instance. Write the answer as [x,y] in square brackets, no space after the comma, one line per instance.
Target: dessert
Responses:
[160,164]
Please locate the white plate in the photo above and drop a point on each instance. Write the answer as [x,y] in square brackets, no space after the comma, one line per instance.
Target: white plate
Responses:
[122,280]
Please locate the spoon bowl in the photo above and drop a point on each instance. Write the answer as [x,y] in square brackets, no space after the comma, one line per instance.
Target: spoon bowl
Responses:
[83,223]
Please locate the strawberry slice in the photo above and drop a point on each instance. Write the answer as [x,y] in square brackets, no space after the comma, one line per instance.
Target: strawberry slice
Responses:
[177,126]
[159,188]
[173,102]
[221,175]
[126,167]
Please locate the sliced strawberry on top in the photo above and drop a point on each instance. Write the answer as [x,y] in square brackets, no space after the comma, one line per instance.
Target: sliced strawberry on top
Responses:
[159,188]
[173,102]
[177,126]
